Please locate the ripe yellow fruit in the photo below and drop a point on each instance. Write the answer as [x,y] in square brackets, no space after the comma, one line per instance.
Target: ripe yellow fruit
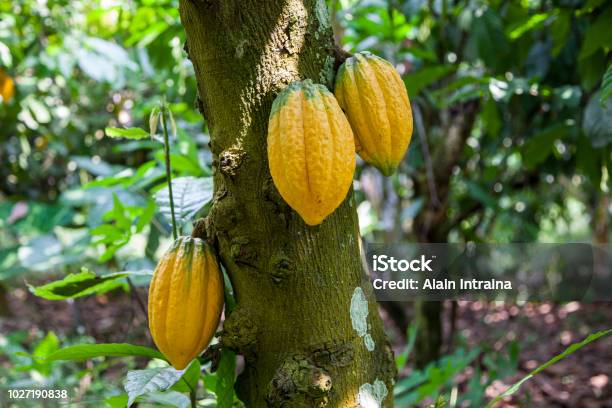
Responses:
[185,300]
[311,150]
[7,87]
[373,96]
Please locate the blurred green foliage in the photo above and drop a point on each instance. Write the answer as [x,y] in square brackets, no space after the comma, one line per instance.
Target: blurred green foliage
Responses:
[525,76]
[69,196]
[526,82]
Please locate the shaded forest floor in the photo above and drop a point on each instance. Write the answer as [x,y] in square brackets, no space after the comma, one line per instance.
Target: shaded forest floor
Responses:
[582,380]
[541,330]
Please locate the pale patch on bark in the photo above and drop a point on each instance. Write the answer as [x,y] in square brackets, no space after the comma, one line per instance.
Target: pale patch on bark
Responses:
[322,15]
[372,396]
[327,74]
[359,317]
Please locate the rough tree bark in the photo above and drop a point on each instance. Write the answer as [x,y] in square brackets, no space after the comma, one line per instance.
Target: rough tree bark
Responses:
[309,332]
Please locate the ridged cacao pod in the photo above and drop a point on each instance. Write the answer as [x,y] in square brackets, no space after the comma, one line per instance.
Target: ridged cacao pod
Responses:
[311,150]
[373,96]
[185,300]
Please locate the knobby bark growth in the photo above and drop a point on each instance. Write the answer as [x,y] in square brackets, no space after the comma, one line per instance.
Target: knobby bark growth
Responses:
[305,323]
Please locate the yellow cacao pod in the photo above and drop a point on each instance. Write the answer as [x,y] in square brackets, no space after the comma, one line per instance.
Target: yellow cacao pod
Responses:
[7,87]
[185,300]
[311,150]
[373,96]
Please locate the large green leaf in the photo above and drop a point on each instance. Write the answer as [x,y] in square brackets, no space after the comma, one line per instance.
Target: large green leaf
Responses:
[140,382]
[87,351]
[598,35]
[190,195]
[77,285]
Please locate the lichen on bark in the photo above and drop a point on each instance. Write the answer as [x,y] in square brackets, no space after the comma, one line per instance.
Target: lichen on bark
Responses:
[293,283]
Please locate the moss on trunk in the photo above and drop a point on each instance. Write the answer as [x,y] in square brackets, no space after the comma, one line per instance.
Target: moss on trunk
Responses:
[309,334]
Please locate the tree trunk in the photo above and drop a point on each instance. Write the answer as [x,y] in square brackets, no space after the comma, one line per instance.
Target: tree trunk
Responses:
[432,226]
[429,335]
[303,321]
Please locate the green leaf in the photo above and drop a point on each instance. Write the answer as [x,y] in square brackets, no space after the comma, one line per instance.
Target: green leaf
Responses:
[598,35]
[559,31]
[402,358]
[190,195]
[591,70]
[189,380]
[480,194]
[87,351]
[77,285]
[147,215]
[606,87]
[118,214]
[167,399]
[597,122]
[108,233]
[489,39]
[417,81]
[226,376]
[210,382]
[539,146]
[185,165]
[533,22]
[230,297]
[570,350]
[140,382]
[97,167]
[46,346]
[43,349]
[104,61]
[491,118]
[425,383]
[117,401]
[588,160]
[128,133]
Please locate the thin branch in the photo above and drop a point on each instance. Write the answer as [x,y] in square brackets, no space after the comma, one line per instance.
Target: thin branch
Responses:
[137,297]
[431,182]
[168,168]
